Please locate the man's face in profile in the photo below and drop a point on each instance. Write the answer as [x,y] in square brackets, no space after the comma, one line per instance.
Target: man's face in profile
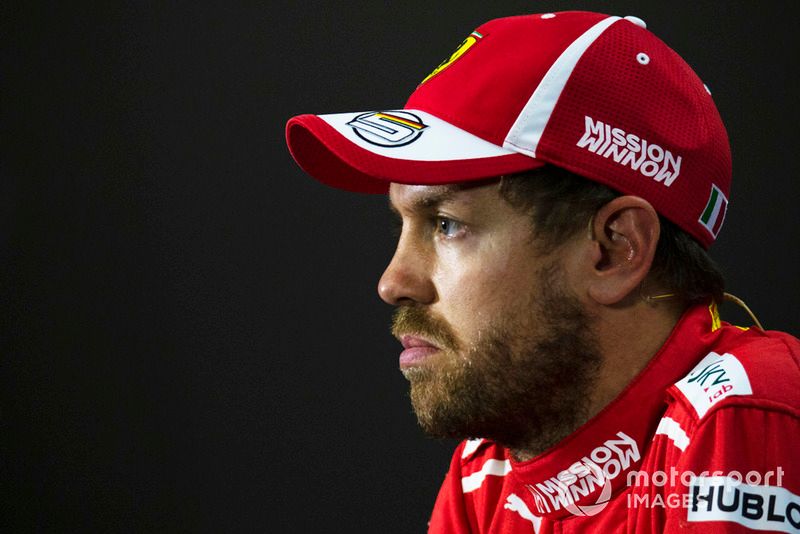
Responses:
[497,345]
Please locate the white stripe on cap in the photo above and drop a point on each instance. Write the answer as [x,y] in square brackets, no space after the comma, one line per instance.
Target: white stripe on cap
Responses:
[527,130]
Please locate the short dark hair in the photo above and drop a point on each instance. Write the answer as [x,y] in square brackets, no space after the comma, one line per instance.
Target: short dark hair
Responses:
[562,203]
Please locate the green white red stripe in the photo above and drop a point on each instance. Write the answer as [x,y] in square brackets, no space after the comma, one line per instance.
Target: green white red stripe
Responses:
[714,213]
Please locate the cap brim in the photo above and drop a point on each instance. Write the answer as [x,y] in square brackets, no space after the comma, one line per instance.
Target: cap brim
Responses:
[367,151]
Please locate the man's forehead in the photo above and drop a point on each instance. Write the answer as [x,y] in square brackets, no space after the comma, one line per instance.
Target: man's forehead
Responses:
[421,195]
[427,196]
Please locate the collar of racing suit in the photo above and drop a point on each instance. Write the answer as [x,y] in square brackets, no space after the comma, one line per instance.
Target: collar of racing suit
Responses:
[593,464]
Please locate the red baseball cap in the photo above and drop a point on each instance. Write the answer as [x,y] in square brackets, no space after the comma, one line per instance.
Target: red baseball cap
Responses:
[597,95]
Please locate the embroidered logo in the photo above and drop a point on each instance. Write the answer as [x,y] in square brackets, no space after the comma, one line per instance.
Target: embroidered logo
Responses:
[388,128]
[585,477]
[465,45]
[713,379]
[714,213]
[515,504]
[630,150]
[757,507]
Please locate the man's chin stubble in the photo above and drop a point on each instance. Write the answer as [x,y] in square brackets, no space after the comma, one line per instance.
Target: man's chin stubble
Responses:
[527,416]
[487,392]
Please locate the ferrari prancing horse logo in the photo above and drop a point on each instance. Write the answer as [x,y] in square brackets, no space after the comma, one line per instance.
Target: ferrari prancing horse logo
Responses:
[465,45]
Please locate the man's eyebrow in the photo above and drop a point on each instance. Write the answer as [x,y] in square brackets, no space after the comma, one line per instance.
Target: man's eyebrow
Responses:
[430,199]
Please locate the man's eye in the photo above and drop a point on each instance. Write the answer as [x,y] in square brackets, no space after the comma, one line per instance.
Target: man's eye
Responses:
[448,227]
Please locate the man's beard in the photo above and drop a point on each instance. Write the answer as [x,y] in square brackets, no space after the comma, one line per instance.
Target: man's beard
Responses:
[524,383]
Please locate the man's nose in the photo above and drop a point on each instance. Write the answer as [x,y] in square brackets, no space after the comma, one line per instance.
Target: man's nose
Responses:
[406,279]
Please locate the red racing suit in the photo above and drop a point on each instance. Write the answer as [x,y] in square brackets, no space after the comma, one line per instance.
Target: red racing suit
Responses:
[705,439]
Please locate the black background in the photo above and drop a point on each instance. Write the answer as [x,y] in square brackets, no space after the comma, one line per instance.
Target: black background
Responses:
[191,335]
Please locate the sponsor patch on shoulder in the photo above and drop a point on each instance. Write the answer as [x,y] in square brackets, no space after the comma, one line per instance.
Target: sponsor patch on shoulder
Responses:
[713,379]
[722,498]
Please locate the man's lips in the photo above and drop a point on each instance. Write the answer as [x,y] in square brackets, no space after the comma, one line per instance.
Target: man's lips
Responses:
[417,349]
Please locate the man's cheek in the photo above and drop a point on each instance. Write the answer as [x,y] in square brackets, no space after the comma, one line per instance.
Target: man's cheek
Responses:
[478,296]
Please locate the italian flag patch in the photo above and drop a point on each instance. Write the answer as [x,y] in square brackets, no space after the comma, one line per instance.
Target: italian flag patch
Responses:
[714,212]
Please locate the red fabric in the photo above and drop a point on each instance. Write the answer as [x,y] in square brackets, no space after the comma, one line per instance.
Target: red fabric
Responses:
[627,79]
[743,432]
[484,91]
[663,102]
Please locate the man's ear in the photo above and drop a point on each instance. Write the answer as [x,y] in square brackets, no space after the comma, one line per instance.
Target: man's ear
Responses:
[625,233]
